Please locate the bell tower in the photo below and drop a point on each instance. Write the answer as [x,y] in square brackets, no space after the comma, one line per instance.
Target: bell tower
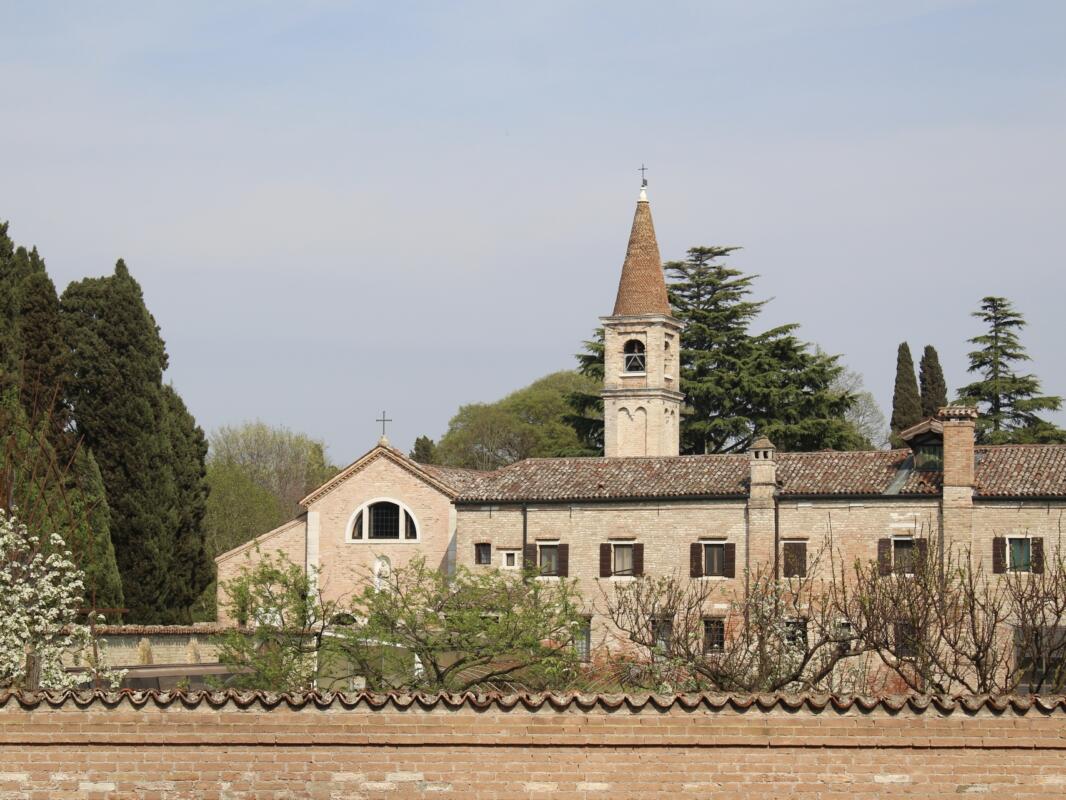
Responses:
[642,339]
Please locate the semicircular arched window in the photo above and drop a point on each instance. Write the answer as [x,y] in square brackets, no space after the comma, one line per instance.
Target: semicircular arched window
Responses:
[383,520]
[634,356]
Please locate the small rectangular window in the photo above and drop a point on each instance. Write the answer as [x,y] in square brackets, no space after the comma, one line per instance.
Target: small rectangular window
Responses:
[622,559]
[548,559]
[1020,554]
[796,633]
[509,559]
[713,635]
[903,556]
[583,639]
[795,559]
[482,553]
[663,633]
[906,640]
[714,559]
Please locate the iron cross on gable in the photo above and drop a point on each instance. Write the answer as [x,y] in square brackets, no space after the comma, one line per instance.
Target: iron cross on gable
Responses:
[383,420]
[643,177]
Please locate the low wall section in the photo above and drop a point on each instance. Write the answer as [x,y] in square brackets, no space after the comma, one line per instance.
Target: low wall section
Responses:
[237,746]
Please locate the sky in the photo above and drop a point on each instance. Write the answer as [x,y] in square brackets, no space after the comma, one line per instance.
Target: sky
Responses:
[338,208]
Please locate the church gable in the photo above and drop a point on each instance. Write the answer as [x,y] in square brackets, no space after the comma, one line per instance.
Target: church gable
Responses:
[383,509]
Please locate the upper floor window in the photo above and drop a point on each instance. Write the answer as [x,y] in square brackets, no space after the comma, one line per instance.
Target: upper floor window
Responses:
[1018,554]
[929,457]
[634,356]
[383,520]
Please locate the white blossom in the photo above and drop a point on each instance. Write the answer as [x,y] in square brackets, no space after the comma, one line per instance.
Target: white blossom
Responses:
[41,591]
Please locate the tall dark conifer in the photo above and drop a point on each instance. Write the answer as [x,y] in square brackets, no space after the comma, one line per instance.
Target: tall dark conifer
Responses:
[1010,403]
[56,483]
[192,570]
[906,400]
[116,393]
[931,379]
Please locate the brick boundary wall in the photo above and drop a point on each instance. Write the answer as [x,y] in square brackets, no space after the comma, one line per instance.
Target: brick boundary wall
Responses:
[239,746]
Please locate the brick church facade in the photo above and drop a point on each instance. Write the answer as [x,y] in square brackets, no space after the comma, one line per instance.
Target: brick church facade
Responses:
[643,509]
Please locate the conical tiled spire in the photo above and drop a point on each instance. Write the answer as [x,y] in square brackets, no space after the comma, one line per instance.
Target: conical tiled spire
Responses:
[642,289]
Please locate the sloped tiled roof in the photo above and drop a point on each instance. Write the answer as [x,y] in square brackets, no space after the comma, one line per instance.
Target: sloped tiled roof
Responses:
[460,479]
[1021,470]
[1002,471]
[642,287]
[553,479]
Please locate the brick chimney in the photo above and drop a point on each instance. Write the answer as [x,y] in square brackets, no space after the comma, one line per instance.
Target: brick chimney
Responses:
[761,517]
[959,423]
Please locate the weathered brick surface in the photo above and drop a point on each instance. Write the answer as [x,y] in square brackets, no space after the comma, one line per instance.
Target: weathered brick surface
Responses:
[632,751]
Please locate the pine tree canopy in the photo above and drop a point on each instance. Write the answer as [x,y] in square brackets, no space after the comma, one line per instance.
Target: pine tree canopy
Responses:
[931,378]
[1010,403]
[906,400]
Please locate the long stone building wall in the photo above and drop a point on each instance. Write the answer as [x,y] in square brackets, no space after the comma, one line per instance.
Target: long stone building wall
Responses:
[239,747]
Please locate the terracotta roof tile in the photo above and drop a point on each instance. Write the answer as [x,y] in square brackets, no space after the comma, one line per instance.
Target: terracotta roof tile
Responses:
[1002,471]
[553,479]
[642,288]
[1020,470]
[755,703]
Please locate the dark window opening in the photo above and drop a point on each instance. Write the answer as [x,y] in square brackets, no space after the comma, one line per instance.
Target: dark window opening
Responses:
[903,552]
[663,633]
[906,640]
[795,558]
[634,356]
[549,559]
[384,521]
[714,560]
[357,528]
[929,457]
[410,529]
[713,635]
[796,633]
[483,553]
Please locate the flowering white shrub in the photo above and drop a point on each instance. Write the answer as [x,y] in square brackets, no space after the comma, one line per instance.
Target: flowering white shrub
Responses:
[41,590]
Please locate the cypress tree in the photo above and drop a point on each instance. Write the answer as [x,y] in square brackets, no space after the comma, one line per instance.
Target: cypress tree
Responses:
[192,569]
[54,479]
[116,393]
[424,451]
[933,386]
[906,400]
[1010,403]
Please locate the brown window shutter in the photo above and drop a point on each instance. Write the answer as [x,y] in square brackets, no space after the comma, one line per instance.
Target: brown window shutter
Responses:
[729,566]
[884,556]
[795,559]
[695,559]
[564,560]
[605,560]
[923,551]
[530,556]
[638,559]
[1036,555]
[999,555]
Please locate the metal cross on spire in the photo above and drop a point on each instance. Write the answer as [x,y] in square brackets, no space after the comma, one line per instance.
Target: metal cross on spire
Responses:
[383,420]
[643,178]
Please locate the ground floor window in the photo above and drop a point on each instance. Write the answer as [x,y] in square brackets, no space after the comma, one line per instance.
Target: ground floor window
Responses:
[713,635]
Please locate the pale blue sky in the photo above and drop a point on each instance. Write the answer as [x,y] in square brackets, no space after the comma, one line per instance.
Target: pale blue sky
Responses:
[336,208]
